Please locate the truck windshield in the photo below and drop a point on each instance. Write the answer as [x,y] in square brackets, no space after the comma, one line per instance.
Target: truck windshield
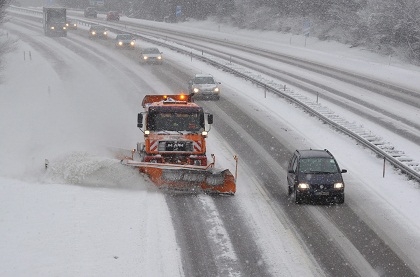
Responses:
[175,122]
[57,17]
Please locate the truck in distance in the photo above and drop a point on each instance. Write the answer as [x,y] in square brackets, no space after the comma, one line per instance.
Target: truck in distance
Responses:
[54,21]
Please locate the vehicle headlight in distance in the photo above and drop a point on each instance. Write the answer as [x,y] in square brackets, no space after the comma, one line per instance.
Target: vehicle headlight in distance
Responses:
[159,57]
[67,24]
[216,89]
[64,27]
[196,90]
[105,33]
[74,24]
[132,43]
[303,186]
[338,185]
[52,27]
[120,43]
[93,33]
[145,57]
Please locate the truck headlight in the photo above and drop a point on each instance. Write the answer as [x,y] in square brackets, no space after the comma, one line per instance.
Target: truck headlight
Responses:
[303,186]
[338,185]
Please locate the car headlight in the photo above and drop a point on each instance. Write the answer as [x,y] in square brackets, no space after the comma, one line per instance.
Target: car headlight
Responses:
[75,25]
[145,58]
[132,43]
[64,28]
[67,24]
[338,185]
[52,27]
[120,43]
[159,57]
[303,186]
[93,33]
[105,33]
[216,90]
[196,90]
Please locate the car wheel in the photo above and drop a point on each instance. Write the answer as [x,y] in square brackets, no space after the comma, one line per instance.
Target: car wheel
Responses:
[298,199]
[290,190]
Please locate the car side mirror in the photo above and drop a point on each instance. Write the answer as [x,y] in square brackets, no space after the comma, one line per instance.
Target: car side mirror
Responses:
[210,119]
[344,171]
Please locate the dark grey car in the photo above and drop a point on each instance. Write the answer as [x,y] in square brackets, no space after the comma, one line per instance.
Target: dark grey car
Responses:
[315,175]
[90,12]
[98,31]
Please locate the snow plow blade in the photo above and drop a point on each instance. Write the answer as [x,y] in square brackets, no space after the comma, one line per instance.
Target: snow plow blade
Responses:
[187,177]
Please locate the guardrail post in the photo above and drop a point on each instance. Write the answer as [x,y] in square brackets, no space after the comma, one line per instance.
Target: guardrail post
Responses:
[24,55]
[383,170]
[317,94]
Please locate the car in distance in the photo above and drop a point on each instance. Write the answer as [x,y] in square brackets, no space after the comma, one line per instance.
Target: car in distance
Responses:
[91,12]
[204,86]
[98,31]
[125,41]
[151,55]
[113,15]
[315,175]
[71,25]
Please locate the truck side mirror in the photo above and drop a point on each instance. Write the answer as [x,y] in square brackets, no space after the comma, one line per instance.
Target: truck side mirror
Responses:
[140,120]
[210,118]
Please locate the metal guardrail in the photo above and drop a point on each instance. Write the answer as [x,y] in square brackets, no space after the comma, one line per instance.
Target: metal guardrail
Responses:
[381,153]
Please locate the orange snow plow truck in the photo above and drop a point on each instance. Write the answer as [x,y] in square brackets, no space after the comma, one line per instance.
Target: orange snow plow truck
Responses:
[173,153]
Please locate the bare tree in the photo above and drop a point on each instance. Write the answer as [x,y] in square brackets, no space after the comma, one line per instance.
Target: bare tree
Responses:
[6,44]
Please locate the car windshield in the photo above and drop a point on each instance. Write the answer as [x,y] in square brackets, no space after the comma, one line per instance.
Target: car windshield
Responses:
[98,28]
[204,80]
[151,51]
[124,37]
[317,165]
